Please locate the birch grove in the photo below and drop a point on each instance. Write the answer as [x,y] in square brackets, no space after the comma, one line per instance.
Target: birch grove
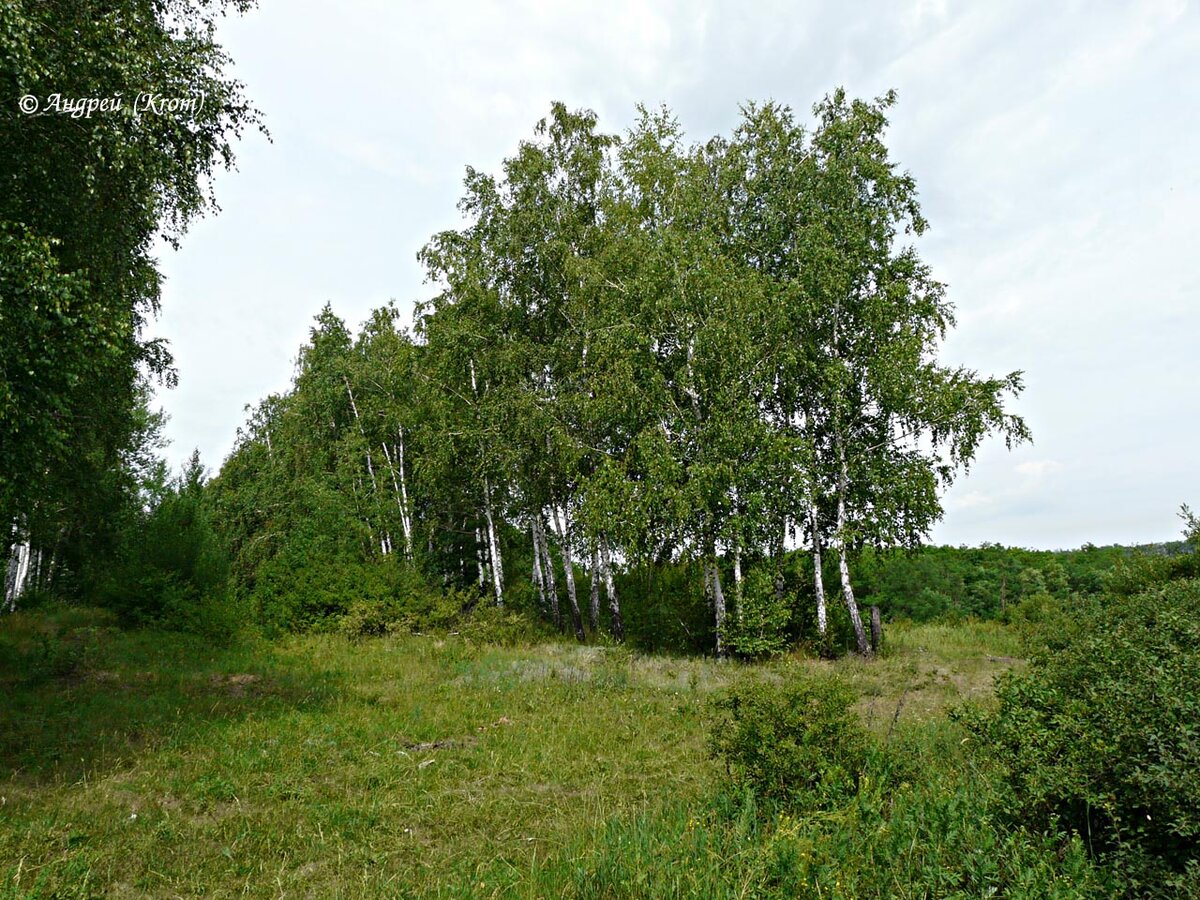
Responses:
[639,354]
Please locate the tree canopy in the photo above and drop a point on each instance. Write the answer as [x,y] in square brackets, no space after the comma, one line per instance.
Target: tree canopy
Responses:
[83,200]
[640,352]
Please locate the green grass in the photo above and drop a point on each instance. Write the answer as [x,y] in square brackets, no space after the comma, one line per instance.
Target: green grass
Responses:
[153,764]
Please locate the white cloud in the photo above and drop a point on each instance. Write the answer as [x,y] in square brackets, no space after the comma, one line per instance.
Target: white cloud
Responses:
[1038,469]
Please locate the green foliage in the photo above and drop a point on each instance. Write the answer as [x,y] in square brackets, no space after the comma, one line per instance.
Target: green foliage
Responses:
[939,833]
[403,602]
[170,568]
[665,609]
[797,743]
[759,626]
[85,199]
[1101,735]
[931,583]
[1041,617]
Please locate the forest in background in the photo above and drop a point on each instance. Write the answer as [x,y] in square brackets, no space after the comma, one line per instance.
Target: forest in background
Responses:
[683,397]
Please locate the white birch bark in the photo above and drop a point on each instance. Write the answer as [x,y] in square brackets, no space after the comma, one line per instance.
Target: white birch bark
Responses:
[610,587]
[594,605]
[718,597]
[737,562]
[860,633]
[493,544]
[737,580]
[479,556]
[497,564]
[538,581]
[818,576]
[563,526]
[548,562]
[400,492]
[18,571]
[385,539]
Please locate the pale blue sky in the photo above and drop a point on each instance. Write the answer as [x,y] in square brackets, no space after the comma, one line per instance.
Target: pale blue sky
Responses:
[1056,147]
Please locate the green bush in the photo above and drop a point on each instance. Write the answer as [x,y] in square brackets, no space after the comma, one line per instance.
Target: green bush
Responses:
[758,626]
[797,743]
[405,604]
[487,623]
[1102,735]
[170,569]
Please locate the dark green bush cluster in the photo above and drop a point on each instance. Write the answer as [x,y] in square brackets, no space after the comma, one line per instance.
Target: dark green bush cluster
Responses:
[171,568]
[1102,735]
[797,743]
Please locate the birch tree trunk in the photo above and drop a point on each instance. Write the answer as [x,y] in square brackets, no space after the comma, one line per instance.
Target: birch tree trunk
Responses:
[407,508]
[614,604]
[779,549]
[536,576]
[400,491]
[737,562]
[860,633]
[594,605]
[563,528]
[385,539]
[818,575]
[15,572]
[737,581]
[548,562]
[479,558]
[493,543]
[713,577]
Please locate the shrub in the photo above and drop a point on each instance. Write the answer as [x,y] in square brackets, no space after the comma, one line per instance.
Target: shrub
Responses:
[1102,736]
[797,743]
[487,623]
[758,626]
[406,605]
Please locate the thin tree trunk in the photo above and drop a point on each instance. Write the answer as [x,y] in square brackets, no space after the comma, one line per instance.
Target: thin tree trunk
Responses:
[718,596]
[737,580]
[614,604]
[719,609]
[538,581]
[479,558]
[385,540]
[16,571]
[818,575]
[548,562]
[563,527]
[737,561]
[407,515]
[400,492]
[594,606]
[493,544]
[860,633]
[779,551]
[11,547]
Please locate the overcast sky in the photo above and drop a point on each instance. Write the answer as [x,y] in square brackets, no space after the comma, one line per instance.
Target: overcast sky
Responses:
[1056,147]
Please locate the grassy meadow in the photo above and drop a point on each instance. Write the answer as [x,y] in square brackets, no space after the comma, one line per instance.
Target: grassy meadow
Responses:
[151,763]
